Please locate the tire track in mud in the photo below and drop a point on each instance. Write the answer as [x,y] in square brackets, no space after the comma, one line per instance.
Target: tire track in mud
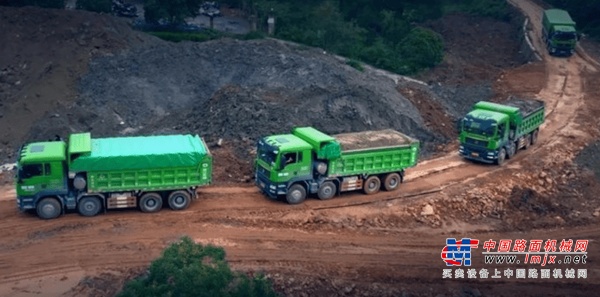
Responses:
[130,239]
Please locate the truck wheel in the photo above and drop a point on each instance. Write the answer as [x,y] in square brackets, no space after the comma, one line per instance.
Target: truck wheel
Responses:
[89,206]
[48,208]
[179,200]
[150,202]
[534,137]
[391,181]
[295,194]
[527,141]
[501,156]
[372,185]
[327,190]
[512,150]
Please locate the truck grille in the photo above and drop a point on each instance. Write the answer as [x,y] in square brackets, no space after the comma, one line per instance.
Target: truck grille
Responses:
[264,172]
[476,142]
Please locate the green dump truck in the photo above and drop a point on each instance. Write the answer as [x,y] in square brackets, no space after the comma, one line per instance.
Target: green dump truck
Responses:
[558,32]
[308,161]
[493,132]
[91,175]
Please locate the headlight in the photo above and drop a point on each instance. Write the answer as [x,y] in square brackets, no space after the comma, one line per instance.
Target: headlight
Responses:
[271,187]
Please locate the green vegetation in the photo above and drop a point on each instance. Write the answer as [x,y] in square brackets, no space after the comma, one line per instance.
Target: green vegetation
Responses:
[95,5]
[40,3]
[173,11]
[584,12]
[190,36]
[382,33]
[356,65]
[189,269]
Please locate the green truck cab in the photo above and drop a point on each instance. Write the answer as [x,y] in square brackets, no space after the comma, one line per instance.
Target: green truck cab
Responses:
[558,32]
[308,161]
[91,175]
[493,132]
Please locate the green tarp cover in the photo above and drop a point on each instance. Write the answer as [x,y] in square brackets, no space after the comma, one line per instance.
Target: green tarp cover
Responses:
[142,152]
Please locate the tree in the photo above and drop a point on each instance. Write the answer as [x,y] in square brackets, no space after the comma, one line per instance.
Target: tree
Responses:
[95,5]
[40,3]
[189,269]
[172,11]
[421,48]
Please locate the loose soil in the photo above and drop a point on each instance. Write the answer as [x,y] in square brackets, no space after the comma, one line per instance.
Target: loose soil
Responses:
[354,245]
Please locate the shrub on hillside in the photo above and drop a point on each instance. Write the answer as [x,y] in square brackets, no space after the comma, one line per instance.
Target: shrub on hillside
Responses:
[40,3]
[95,5]
[189,269]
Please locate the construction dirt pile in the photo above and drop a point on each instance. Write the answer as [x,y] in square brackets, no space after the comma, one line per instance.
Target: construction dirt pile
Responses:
[74,71]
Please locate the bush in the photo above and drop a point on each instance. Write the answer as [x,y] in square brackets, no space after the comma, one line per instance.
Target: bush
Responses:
[356,65]
[40,3]
[189,269]
[189,36]
[95,5]
[420,49]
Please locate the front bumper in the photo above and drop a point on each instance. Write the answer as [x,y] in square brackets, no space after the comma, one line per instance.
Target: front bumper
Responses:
[25,203]
[478,154]
[272,190]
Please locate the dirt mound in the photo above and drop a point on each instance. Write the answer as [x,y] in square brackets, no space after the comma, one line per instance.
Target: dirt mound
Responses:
[235,90]
[44,52]
[477,49]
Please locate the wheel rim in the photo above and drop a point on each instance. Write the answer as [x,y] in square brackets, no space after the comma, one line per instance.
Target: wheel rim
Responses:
[372,185]
[179,200]
[327,190]
[49,209]
[393,182]
[151,203]
[89,206]
[296,195]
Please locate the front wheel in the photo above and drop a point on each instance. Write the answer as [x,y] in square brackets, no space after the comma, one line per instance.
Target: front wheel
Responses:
[89,206]
[295,194]
[512,150]
[179,200]
[48,208]
[501,156]
[150,202]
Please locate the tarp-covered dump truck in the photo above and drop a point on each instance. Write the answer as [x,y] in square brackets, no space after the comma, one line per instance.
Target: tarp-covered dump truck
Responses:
[493,132]
[308,161]
[91,175]
[558,32]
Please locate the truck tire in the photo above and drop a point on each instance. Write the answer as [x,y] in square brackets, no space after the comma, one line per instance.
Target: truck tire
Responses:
[48,208]
[512,150]
[534,137]
[501,156]
[89,206]
[150,202]
[391,181]
[372,185]
[327,190]
[295,194]
[527,142]
[179,200]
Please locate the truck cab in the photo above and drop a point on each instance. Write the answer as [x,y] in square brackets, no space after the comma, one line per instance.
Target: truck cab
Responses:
[483,134]
[559,33]
[281,160]
[41,172]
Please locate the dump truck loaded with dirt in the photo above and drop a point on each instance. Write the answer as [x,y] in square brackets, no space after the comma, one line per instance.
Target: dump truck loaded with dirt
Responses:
[493,132]
[308,161]
[95,174]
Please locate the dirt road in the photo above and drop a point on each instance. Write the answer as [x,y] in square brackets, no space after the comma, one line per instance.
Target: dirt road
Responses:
[352,245]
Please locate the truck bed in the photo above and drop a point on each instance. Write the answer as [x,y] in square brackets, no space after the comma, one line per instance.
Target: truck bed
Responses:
[372,139]
[527,106]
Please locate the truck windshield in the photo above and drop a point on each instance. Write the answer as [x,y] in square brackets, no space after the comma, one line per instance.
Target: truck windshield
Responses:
[480,127]
[266,153]
[565,36]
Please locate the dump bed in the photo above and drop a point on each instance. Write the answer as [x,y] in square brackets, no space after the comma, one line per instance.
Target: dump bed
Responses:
[557,17]
[526,106]
[141,163]
[374,152]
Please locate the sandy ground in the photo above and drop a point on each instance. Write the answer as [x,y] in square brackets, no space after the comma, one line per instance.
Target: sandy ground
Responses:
[381,245]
